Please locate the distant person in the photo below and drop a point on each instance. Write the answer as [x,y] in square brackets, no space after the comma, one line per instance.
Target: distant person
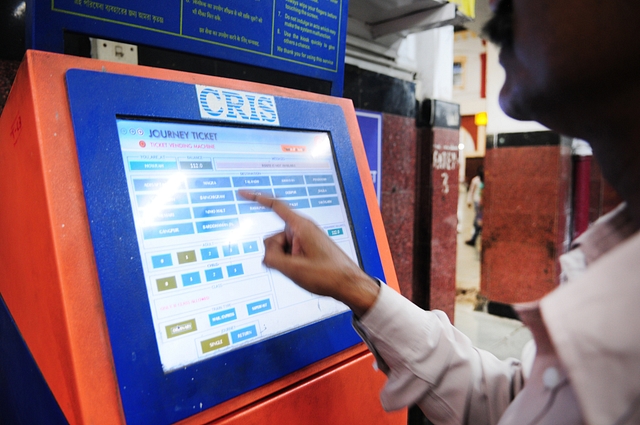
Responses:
[474,198]
[574,66]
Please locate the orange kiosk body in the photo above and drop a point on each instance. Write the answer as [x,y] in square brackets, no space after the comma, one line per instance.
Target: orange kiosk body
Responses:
[50,283]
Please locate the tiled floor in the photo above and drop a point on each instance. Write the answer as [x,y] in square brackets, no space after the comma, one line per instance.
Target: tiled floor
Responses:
[500,336]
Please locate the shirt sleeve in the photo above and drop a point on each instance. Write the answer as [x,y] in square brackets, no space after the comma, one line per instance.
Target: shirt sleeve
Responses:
[430,363]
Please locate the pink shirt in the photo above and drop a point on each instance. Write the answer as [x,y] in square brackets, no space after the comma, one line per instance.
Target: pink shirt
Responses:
[587,333]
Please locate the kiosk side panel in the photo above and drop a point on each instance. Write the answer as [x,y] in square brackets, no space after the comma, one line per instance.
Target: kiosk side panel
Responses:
[31,285]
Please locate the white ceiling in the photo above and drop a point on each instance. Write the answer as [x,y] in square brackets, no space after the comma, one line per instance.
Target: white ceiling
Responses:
[483,13]
[381,24]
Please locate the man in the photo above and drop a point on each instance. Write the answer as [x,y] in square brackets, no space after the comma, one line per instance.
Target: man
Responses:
[574,66]
[474,198]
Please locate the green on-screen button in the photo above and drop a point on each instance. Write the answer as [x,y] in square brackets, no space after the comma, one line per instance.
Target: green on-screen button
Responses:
[335,232]
[181,328]
[216,343]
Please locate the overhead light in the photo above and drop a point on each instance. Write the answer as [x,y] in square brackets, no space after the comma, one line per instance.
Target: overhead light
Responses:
[481,119]
[19,10]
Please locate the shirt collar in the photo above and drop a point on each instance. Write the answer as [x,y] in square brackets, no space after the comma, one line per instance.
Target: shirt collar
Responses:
[610,230]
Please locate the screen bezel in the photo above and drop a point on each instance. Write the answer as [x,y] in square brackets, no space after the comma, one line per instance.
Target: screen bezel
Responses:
[148,394]
[215,125]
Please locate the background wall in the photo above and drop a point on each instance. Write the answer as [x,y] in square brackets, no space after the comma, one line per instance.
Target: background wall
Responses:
[469,50]
[499,122]
[8,69]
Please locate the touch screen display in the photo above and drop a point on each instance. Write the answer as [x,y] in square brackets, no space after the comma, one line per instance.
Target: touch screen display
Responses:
[201,243]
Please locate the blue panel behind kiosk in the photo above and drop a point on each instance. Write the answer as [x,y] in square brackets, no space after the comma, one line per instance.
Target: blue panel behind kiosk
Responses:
[371,130]
[25,397]
[303,37]
[148,394]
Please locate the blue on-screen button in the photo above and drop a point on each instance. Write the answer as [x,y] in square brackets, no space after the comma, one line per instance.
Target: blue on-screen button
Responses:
[315,179]
[215,211]
[250,181]
[217,225]
[153,165]
[249,247]
[224,316]
[211,196]
[209,182]
[335,232]
[244,333]
[322,190]
[230,249]
[296,204]
[259,306]
[162,260]
[209,253]
[252,207]
[168,230]
[286,180]
[191,278]
[290,192]
[324,202]
[213,274]
[235,270]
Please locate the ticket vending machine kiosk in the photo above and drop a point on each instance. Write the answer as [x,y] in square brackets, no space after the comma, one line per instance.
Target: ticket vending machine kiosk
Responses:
[131,269]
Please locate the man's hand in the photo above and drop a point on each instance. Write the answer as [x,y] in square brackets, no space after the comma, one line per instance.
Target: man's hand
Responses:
[307,256]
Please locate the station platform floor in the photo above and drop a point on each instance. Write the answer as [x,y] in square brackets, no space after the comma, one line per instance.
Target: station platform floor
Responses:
[501,336]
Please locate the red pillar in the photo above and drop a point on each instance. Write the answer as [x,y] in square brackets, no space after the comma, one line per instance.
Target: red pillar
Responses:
[434,284]
[581,193]
[527,209]
[398,194]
